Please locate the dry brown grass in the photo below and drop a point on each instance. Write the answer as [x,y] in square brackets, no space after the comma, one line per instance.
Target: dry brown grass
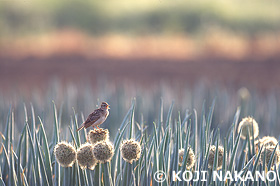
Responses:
[180,47]
[70,56]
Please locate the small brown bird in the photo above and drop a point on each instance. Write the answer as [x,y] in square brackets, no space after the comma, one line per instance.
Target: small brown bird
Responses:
[97,117]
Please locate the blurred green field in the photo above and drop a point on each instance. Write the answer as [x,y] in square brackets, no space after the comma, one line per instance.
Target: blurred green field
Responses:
[140,17]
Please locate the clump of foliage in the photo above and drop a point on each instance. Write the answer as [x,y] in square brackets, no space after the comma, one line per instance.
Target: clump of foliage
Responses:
[31,159]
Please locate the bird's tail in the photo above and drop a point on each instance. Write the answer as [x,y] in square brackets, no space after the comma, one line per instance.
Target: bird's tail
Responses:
[80,128]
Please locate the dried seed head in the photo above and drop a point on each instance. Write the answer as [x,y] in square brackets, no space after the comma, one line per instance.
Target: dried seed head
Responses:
[65,154]
[97,135]
[190,159]
[130,150]
[268,150]
[103,151]
[246,126]
[268,141]
[244,93]
[85,157]
[211,156]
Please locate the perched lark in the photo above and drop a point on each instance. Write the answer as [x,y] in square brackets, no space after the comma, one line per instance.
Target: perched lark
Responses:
[97,117]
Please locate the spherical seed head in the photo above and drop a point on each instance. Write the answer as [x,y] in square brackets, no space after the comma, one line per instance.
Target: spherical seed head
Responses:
[130,150]
[97,135]
[190,160]
[65,154]
[246,126]
[181,156]
[211,157]
[268,141]
[85,157]
[268,150]
[103,151]
[244,93]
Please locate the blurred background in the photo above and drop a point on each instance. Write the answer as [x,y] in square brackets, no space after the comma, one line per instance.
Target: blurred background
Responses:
[79,53]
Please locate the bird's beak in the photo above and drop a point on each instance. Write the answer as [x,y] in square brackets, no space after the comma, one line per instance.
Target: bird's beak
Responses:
[108,107]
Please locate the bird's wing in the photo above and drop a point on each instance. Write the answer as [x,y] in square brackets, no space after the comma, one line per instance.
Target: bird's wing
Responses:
[92,118]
